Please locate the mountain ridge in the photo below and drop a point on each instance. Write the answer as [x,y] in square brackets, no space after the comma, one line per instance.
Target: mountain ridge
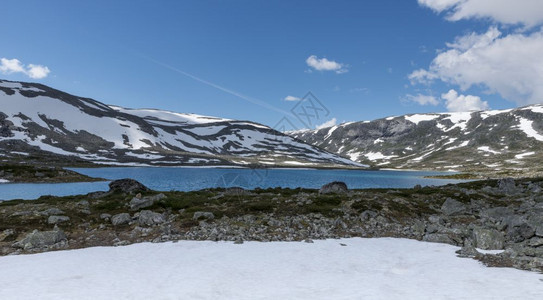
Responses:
[494,142]
[40,122]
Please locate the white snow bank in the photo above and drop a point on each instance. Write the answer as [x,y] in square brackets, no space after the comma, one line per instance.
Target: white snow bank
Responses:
[4,180]
[421,118]
[363,269]
[526,126]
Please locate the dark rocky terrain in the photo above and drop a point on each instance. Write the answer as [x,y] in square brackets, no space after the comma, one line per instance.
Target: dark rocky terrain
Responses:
[503,214]
[488,143]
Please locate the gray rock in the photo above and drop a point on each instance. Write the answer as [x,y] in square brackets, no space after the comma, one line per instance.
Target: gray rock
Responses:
[536,222]
[336,187]
[203,214]
[507,186]
[121,219]
[127,185]
[52,211]
[520,233]
[453,207]
[149,218]
[235,190]
[418,228]
[6,233]
[488,239]
[535,242]
[83,203]
[437,238]
[367,215]
[41,239]
[468,250]
[57,219]
[497,214]
[105,216]
[139,203]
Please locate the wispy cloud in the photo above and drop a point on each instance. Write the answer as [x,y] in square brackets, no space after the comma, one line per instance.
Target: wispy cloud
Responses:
[221,88]
[9,66]
[291,98]
[422,99]
[323,64]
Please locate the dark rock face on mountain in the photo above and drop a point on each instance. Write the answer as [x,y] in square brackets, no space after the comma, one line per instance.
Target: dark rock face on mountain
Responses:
[38,122]
[509,141]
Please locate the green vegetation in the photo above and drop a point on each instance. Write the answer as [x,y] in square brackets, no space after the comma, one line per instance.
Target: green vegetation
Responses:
[30,173]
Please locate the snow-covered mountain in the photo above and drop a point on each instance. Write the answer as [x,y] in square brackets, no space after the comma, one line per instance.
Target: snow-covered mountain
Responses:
[507,141]
[41,123]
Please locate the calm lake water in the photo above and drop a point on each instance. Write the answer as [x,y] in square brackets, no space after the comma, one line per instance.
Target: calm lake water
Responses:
[190,179]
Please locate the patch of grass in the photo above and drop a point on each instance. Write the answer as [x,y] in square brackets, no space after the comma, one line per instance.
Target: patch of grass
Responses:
[460,176]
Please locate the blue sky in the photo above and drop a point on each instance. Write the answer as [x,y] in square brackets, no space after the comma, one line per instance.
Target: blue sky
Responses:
[241,59]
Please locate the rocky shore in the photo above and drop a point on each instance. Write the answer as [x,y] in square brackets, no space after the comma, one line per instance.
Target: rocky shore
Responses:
[26,173]
[504,214]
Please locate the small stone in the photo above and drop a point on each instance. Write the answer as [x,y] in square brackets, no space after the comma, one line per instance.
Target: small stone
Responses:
[309,241]
[105,216]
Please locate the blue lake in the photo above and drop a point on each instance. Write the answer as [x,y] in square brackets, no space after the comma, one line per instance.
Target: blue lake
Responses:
[190,179]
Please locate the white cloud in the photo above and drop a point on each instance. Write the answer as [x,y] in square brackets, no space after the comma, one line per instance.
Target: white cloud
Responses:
[511,65]
[328,123]
[9,66]
[37,71]
[323,64]
[422,99]
[291,98]
[456,102]
[526,12]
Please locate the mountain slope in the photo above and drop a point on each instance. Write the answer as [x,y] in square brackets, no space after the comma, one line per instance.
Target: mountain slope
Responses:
[38,122]
[499,141]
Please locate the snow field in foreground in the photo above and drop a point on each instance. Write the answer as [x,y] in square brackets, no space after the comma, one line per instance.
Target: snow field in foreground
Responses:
[383,268]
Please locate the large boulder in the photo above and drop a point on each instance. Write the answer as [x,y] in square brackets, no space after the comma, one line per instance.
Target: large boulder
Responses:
[121,219]
[139,202]
[520,233]
[41,239]
[57,219]
[453,207]
[336,187]
[149,218]
[488,239]
[127,185]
